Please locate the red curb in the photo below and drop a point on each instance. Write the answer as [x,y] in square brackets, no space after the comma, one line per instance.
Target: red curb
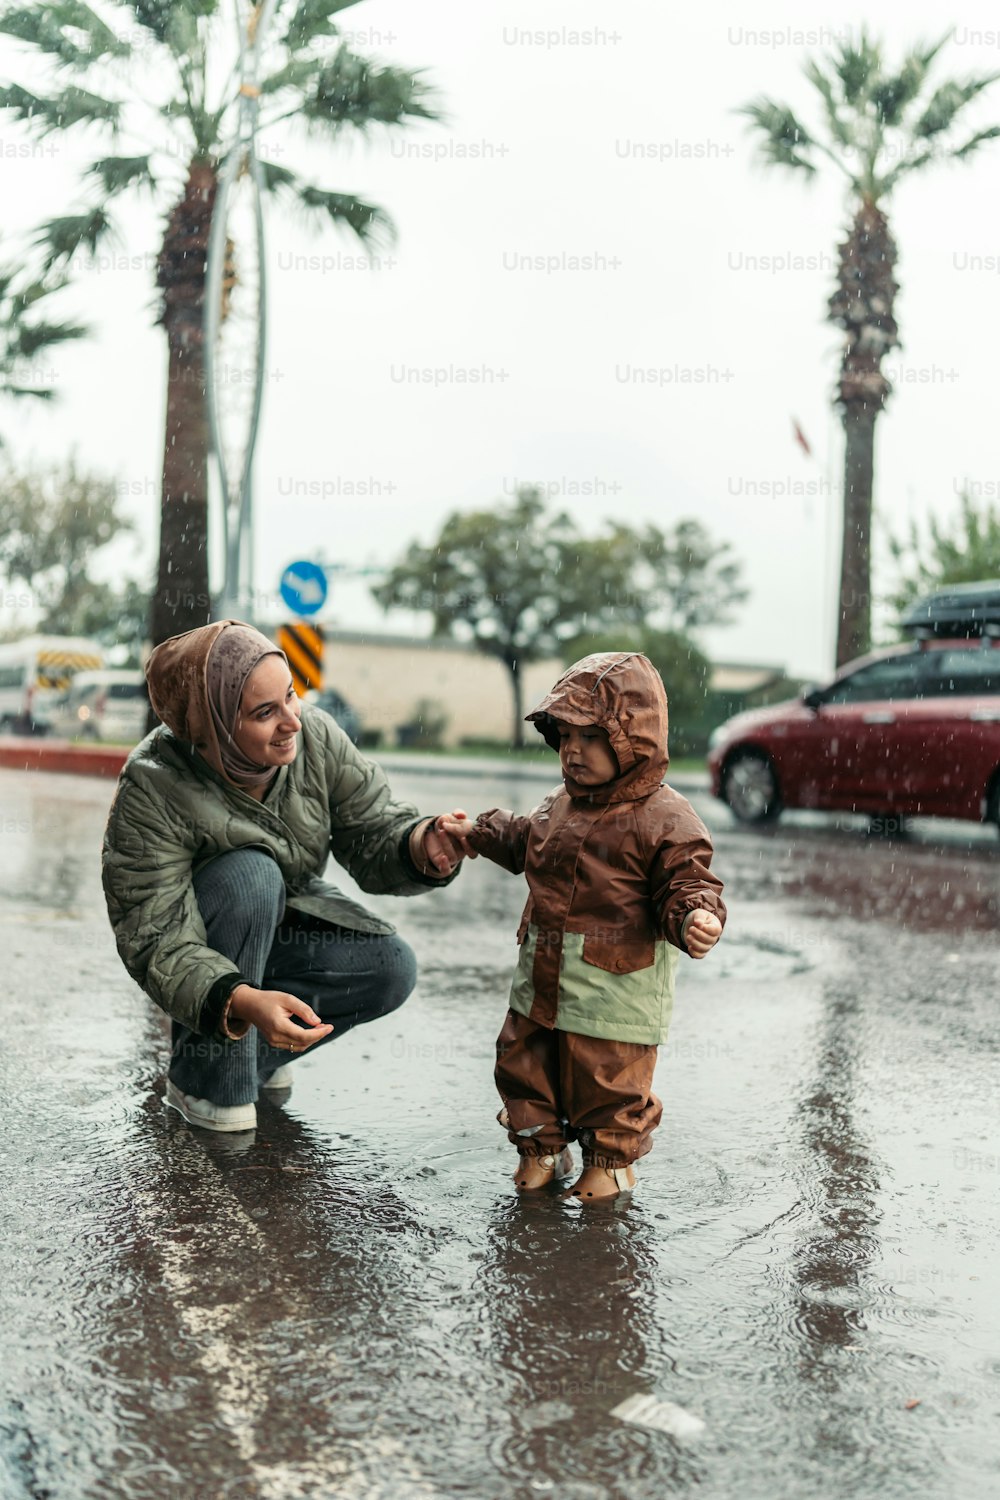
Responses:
[28,754]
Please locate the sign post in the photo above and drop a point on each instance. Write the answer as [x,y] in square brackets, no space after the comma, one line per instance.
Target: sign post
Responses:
[304,589]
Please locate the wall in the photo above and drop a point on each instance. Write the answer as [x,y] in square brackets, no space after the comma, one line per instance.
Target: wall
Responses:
[385,677]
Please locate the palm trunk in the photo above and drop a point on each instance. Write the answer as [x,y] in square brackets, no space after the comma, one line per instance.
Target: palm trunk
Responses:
[854,626]
[863,307]
[182,601]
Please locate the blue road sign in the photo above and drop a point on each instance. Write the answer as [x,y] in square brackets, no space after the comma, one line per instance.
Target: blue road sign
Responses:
[304,587]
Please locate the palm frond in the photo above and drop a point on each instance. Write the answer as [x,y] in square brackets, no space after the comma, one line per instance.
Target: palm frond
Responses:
[856,67]
[351,90]
[925,55]
[181,34]
[782,140]
[975,141]
[24,104]
[838,126]
[912,163]
[204,125]
[312,19]
[371,224]
[61,238]
[117,173]
[74,106]
[297,72]
[78,14]
[23,340]
[40,392]
[24,297]
[31,337]
[278,180]
[946,103]
[70,32]
[154,15]
[891,93]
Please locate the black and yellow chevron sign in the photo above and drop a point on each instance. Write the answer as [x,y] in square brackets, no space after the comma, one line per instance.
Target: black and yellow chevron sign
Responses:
[303,645]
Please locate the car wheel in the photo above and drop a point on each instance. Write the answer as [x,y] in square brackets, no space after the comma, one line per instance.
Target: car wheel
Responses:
[993,803]
[750,786]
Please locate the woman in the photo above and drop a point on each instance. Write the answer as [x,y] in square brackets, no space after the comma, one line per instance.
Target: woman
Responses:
[220,829]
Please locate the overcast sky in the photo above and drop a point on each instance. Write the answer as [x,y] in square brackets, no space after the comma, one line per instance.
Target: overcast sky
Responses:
[599,143]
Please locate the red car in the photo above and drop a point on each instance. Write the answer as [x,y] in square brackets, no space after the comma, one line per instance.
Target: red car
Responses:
[911,730]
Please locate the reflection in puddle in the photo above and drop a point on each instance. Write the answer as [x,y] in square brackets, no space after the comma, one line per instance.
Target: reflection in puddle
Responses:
[908,884]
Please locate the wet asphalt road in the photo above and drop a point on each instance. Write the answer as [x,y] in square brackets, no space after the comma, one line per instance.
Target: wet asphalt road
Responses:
[352,1304]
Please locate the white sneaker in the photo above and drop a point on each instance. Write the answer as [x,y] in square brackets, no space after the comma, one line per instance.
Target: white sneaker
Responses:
[211,1116]
[281,1078]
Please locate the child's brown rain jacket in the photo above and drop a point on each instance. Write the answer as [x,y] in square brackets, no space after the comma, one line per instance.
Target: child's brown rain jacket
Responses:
[612,871]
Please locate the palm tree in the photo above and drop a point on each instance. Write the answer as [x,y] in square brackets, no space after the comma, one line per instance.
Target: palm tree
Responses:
[170,60]
[879,126]
[26,335]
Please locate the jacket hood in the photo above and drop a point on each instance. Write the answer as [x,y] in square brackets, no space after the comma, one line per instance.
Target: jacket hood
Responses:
[623,693]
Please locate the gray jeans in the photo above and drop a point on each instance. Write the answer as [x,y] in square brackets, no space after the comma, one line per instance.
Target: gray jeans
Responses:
[347,977]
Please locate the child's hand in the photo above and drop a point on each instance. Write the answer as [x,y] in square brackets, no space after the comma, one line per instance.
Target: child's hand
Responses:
[455,828]
[702,933]
[437,849]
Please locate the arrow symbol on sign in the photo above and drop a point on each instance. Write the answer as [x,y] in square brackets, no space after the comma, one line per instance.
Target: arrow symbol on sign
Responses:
[308,589]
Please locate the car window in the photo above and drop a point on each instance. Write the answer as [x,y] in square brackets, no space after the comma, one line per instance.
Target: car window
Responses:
[976,671]
[127,690]
[12,677]
[896,677]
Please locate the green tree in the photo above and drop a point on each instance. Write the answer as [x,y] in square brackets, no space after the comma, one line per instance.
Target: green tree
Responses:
[682,578]
[164,78]
[51,526]
[516,581]
[524,584]
[879,125]
[682,581]
[964,548]
[27,335]
[114,616]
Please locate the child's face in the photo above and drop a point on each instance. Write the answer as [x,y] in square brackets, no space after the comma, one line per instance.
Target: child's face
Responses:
[585,753]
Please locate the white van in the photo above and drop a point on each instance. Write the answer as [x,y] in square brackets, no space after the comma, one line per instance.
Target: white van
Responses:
[35,671]
[109,706]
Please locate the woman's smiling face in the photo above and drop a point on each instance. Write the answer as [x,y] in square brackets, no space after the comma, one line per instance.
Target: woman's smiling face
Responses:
[269,714]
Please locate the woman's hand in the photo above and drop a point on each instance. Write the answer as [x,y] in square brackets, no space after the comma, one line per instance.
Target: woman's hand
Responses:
[271,1012]
[437,846]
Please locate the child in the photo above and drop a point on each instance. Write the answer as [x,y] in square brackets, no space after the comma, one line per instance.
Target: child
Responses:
[619,885]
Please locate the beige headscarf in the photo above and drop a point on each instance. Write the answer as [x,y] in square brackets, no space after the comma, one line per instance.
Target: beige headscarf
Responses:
[196,682]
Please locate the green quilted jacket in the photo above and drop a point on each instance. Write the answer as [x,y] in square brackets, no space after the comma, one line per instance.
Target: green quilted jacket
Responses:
[172,813]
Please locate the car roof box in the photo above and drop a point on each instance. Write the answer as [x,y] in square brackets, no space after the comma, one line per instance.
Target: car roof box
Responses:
[963,610]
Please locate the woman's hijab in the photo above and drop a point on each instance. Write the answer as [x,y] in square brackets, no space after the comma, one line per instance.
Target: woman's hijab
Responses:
[196,683]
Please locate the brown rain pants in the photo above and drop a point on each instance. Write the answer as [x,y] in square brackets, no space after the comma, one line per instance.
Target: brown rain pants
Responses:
[558,1086]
